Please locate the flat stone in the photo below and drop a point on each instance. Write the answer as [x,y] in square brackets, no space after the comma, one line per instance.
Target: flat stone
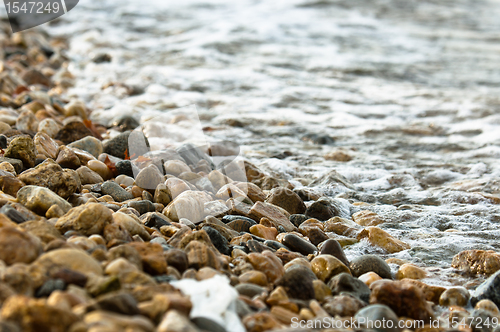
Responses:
[45,145]
[286,199]
[370,263]
[327,266]
[249,289]
[273,213]
[22,148]
[241,225]
[295,243]
[39,199]
[382,239]
[85,219]
[89,144]
[114,190]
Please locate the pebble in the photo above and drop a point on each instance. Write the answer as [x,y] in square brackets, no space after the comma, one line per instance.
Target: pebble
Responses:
[124,122]
[118,145]
[410,271]
[343,305]
[190,205]
[367,218]
[297,219]
[249,289]
[488,290]
[124,167]
[39,199]
[298,283]
[103,320]
[456,296]
[200,255]
[50,175]
[370,263]
[241,225]
[369,277]
[176,321]
[333,247]
[3,142]
[286,199]
[132,224]
[16,163]
[67,158]
[22,148]
[177,259]
[278,216]
[88,176]
[149,177]
[72,131]
[295,243]
[327,266]
[75,108]
[267,263]
[90,144]
[27,122]
[49,127]
[114,190]
[86,219]
[219,241]
[253,277]
[4,127]
[322,209]
[344,282]
[100,168]
[488,306]
[143,206]
[10,185]
[477,261]
[17,246]
[73,259]
[268,233]
[379,312]
[382,239]
[125,180]
[176,167]
[45,145]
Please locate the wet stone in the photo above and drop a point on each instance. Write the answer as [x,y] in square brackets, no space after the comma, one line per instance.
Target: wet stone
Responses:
[488,290]
[343,305]
[274,245]
[333,247]
[370,263]
[86,219]
[298,244]
[22,148]
[456,296]
[323,209]
[379,312]
[286,199]
[382,239]
[326,266]
[344,282]
[219,241]
[297,219]
[298,283]
[268,263]
[316,236]
[256,246]
[477,261]
[241,225]
[143,206]
[39,199]
[114,190]
[16,163]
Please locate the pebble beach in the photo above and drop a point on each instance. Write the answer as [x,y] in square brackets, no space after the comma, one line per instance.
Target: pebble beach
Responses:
[253,166]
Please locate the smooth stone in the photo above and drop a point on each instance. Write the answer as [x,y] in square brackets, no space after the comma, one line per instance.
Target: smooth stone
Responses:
[27,122]
[124,167]
[101,320]
[378,313]
[149,177]
[4,127]
[174,321]
[477,261]
[132,224]
[241,225]
[16,163]
[456,296]
[323,209]
[50,175]
[404,299]
[229,218]
[85,219]
[367,218]
[256,246]
[249,289]
[22,148]
[143,206]
[100,168]
[114,190]
[89,144]
[123,122]
[253,277]
[327,266]
[298,283]
[39,199]
[488,290]
[333,247]
[382,239]
[252,191]
[73,259]
[162,195]
[297,219]
[43,229]
[410,271]
[316,235]
[67,158]
[176,167]
[200,255]
[10,185]
[88,176]
[155,219]
[297,244]
[118,145]
[370,263]
[206,324]
[14,215]
[18,246]
[49,127]
[73,131]
[268,263]
[3,142]
[286,199]
[75,108]
[274,245]
[190,205]
[268,233]
[369,277]
[344,282]
[219,241]
[343,305]
[45,145]
[488,306]
[177,259]
[125,180]
[276,215]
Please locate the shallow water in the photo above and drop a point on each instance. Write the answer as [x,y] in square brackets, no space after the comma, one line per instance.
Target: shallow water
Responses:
[409,89]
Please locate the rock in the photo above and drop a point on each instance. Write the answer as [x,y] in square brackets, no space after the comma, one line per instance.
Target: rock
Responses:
[149,177]
[72,131]
[123,122]
[22,148]
[456,296]
[343,305]
[370,263]
[118,145]
[88,176]
[326,266]
[114,190]
[34,315]
[27,122]
[34,77]
[73,259]
[488,290]
[367,218]
[100,168]
[253,277]
[410,271]
[132,224]
[10,185]
[382,239]
[190,205]
[174,321]
[39,199]
[200,255]
[249,290]
[17,213]
[124,167]
[49,127]
[50,286]
[273,213]
[344,282]
[241,225]
[4,127]
[298,283]
[369,278]
[45,145]
[477,261]
[297,244]
[44,230]
[3,142]
[162,195]
[50,175]
[323,209]
[488,306]
[15,163]
[252,191]
[405,299]
[176,167]
[431,293]
[378,313]
[219,241]
[297,219]
[268,233]
[143,206]
[103,320]
[7,167]
[177,259]
[17,246]
[286,199]
[67,158]
[333,247]
[267,263]
[85,219]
